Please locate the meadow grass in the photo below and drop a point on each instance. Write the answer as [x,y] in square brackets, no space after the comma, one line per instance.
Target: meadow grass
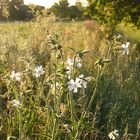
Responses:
[130,32]
[68,81]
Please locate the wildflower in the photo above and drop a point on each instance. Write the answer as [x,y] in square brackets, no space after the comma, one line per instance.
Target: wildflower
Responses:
[83,81]
[49,37]
[125,48]
[69,70]
[39,71]
[78,64]
[74,85]
[70,62]
[67,127]
[15,76]
[81,76]
[16,103]
[113,135]
[119,36]
[56,46]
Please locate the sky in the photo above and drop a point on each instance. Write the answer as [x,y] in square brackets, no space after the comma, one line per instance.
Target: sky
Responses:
[48,3]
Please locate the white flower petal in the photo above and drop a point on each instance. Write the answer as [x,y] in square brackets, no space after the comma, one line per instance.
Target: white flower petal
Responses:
[15,76]
[38,71]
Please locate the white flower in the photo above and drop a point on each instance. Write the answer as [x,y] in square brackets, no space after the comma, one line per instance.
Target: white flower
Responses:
[70,62]
[113,135]
[119,36]
[74,85]
[56,46]
[39,71]
[77,63]
[81,76]
[125,47]
[16,103]
[49,37]
[82,81]
[15,76]
[69,69]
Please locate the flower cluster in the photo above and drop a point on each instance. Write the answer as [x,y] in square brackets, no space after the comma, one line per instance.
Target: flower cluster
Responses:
[38,71]
[78,83]
[71,63]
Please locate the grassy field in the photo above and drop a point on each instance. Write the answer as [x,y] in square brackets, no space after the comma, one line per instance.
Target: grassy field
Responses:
[68,81]
[129,31]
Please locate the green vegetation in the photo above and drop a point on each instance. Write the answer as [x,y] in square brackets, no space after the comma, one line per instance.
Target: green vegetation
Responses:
[115,11]
[14,10]
[64,10]
[67,81]
[129,31]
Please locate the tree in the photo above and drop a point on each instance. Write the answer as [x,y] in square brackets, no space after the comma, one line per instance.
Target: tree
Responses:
[64,4]
[5,12]
[60,9]
[115,11]
[75,12]
[36,10]
[63,10]
[55,9]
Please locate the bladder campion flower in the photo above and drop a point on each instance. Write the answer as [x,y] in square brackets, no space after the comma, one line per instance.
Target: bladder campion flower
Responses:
[15,76]
[113,135]
[39,71]
[125,48]
[119,36]
[67,127]
[69,70]
[70,62]
[16,103]
[49,37]
[74,85]
[83,81]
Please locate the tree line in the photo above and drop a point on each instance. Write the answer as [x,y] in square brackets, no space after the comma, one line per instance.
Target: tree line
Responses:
[110,12]
[62,9]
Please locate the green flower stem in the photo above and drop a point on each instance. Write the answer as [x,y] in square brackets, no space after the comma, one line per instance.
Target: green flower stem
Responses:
[71,106]
[74,65]
[20,125]
[90,103]
[55,106]
[71,93]
[19,115]
[54,128]
[100,73]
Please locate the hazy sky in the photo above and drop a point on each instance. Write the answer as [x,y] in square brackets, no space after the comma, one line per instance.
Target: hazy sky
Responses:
[48,3]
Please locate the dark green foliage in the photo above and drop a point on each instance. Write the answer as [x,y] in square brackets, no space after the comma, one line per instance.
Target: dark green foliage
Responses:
[63,10]
[115,11]
[60,9]
[21,12]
